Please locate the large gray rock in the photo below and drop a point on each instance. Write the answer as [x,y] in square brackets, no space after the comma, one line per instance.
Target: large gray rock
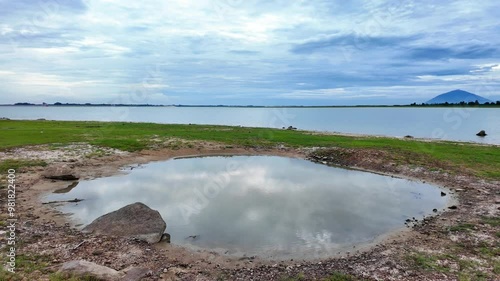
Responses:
[82,268]
[60,172]
[132,221]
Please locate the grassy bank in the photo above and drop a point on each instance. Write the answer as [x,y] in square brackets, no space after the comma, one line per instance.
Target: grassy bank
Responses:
[478,160]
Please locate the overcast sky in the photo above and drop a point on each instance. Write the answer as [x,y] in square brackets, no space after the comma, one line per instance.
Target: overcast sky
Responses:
[247,52]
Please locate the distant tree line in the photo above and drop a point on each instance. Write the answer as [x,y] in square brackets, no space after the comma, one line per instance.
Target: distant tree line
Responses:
[24,103]
[462,103]
[99,104]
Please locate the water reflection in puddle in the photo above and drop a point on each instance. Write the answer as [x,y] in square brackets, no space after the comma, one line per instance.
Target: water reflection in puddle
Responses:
[272,207]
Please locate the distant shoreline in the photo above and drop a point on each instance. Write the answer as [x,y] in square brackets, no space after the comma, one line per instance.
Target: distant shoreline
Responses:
[262,106]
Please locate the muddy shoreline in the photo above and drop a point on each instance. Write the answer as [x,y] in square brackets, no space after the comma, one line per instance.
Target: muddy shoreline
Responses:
[46,232]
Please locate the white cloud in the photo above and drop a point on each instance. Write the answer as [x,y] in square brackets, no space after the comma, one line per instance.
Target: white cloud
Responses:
[318,93]
[241,50]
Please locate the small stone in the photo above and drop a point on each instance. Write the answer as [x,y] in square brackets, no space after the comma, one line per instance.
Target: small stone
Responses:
[453,207]
[481,133]
[443,194]
[165,238]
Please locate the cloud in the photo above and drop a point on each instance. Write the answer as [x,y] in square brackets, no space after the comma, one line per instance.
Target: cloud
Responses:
[458,52]
[242,52]
[37,8]
[485,68]
[357,41]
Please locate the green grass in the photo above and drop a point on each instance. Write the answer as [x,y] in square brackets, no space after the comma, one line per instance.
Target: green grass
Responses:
[461,227]
[15,164]
[8,276]
[424,261]
[496,268]
[30,263]
[488,251]
[478,160]
[468,269]
[475,276]
[493,221]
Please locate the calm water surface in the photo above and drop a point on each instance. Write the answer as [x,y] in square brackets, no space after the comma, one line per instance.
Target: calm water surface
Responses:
[439,123]
[272,207]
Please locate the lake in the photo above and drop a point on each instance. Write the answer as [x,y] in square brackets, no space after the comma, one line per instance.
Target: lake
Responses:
[266,206]
[460,124]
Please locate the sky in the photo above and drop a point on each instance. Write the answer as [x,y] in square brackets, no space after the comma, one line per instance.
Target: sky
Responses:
[236,52]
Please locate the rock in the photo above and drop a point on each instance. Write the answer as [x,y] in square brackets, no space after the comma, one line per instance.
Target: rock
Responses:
[67,189]
[132,221]
[481,133]
[443,194]
[59,172]
[453,207]
[165,238]
[82,268]
[435,210]
[136,274]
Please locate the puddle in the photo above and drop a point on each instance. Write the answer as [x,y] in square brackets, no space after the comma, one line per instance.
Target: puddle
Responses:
[266,206]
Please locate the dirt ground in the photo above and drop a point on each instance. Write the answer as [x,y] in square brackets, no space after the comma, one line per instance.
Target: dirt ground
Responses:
[462,243]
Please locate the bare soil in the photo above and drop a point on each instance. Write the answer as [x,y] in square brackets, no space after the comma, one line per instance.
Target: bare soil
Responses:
[458,244]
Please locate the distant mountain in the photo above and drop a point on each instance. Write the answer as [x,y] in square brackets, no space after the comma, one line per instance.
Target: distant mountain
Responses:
[457,96]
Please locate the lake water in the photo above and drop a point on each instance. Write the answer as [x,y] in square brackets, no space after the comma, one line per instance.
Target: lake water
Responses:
[266,206]
[460,124]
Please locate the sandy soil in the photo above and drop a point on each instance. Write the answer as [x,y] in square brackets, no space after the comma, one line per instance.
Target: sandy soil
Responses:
[430,250]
